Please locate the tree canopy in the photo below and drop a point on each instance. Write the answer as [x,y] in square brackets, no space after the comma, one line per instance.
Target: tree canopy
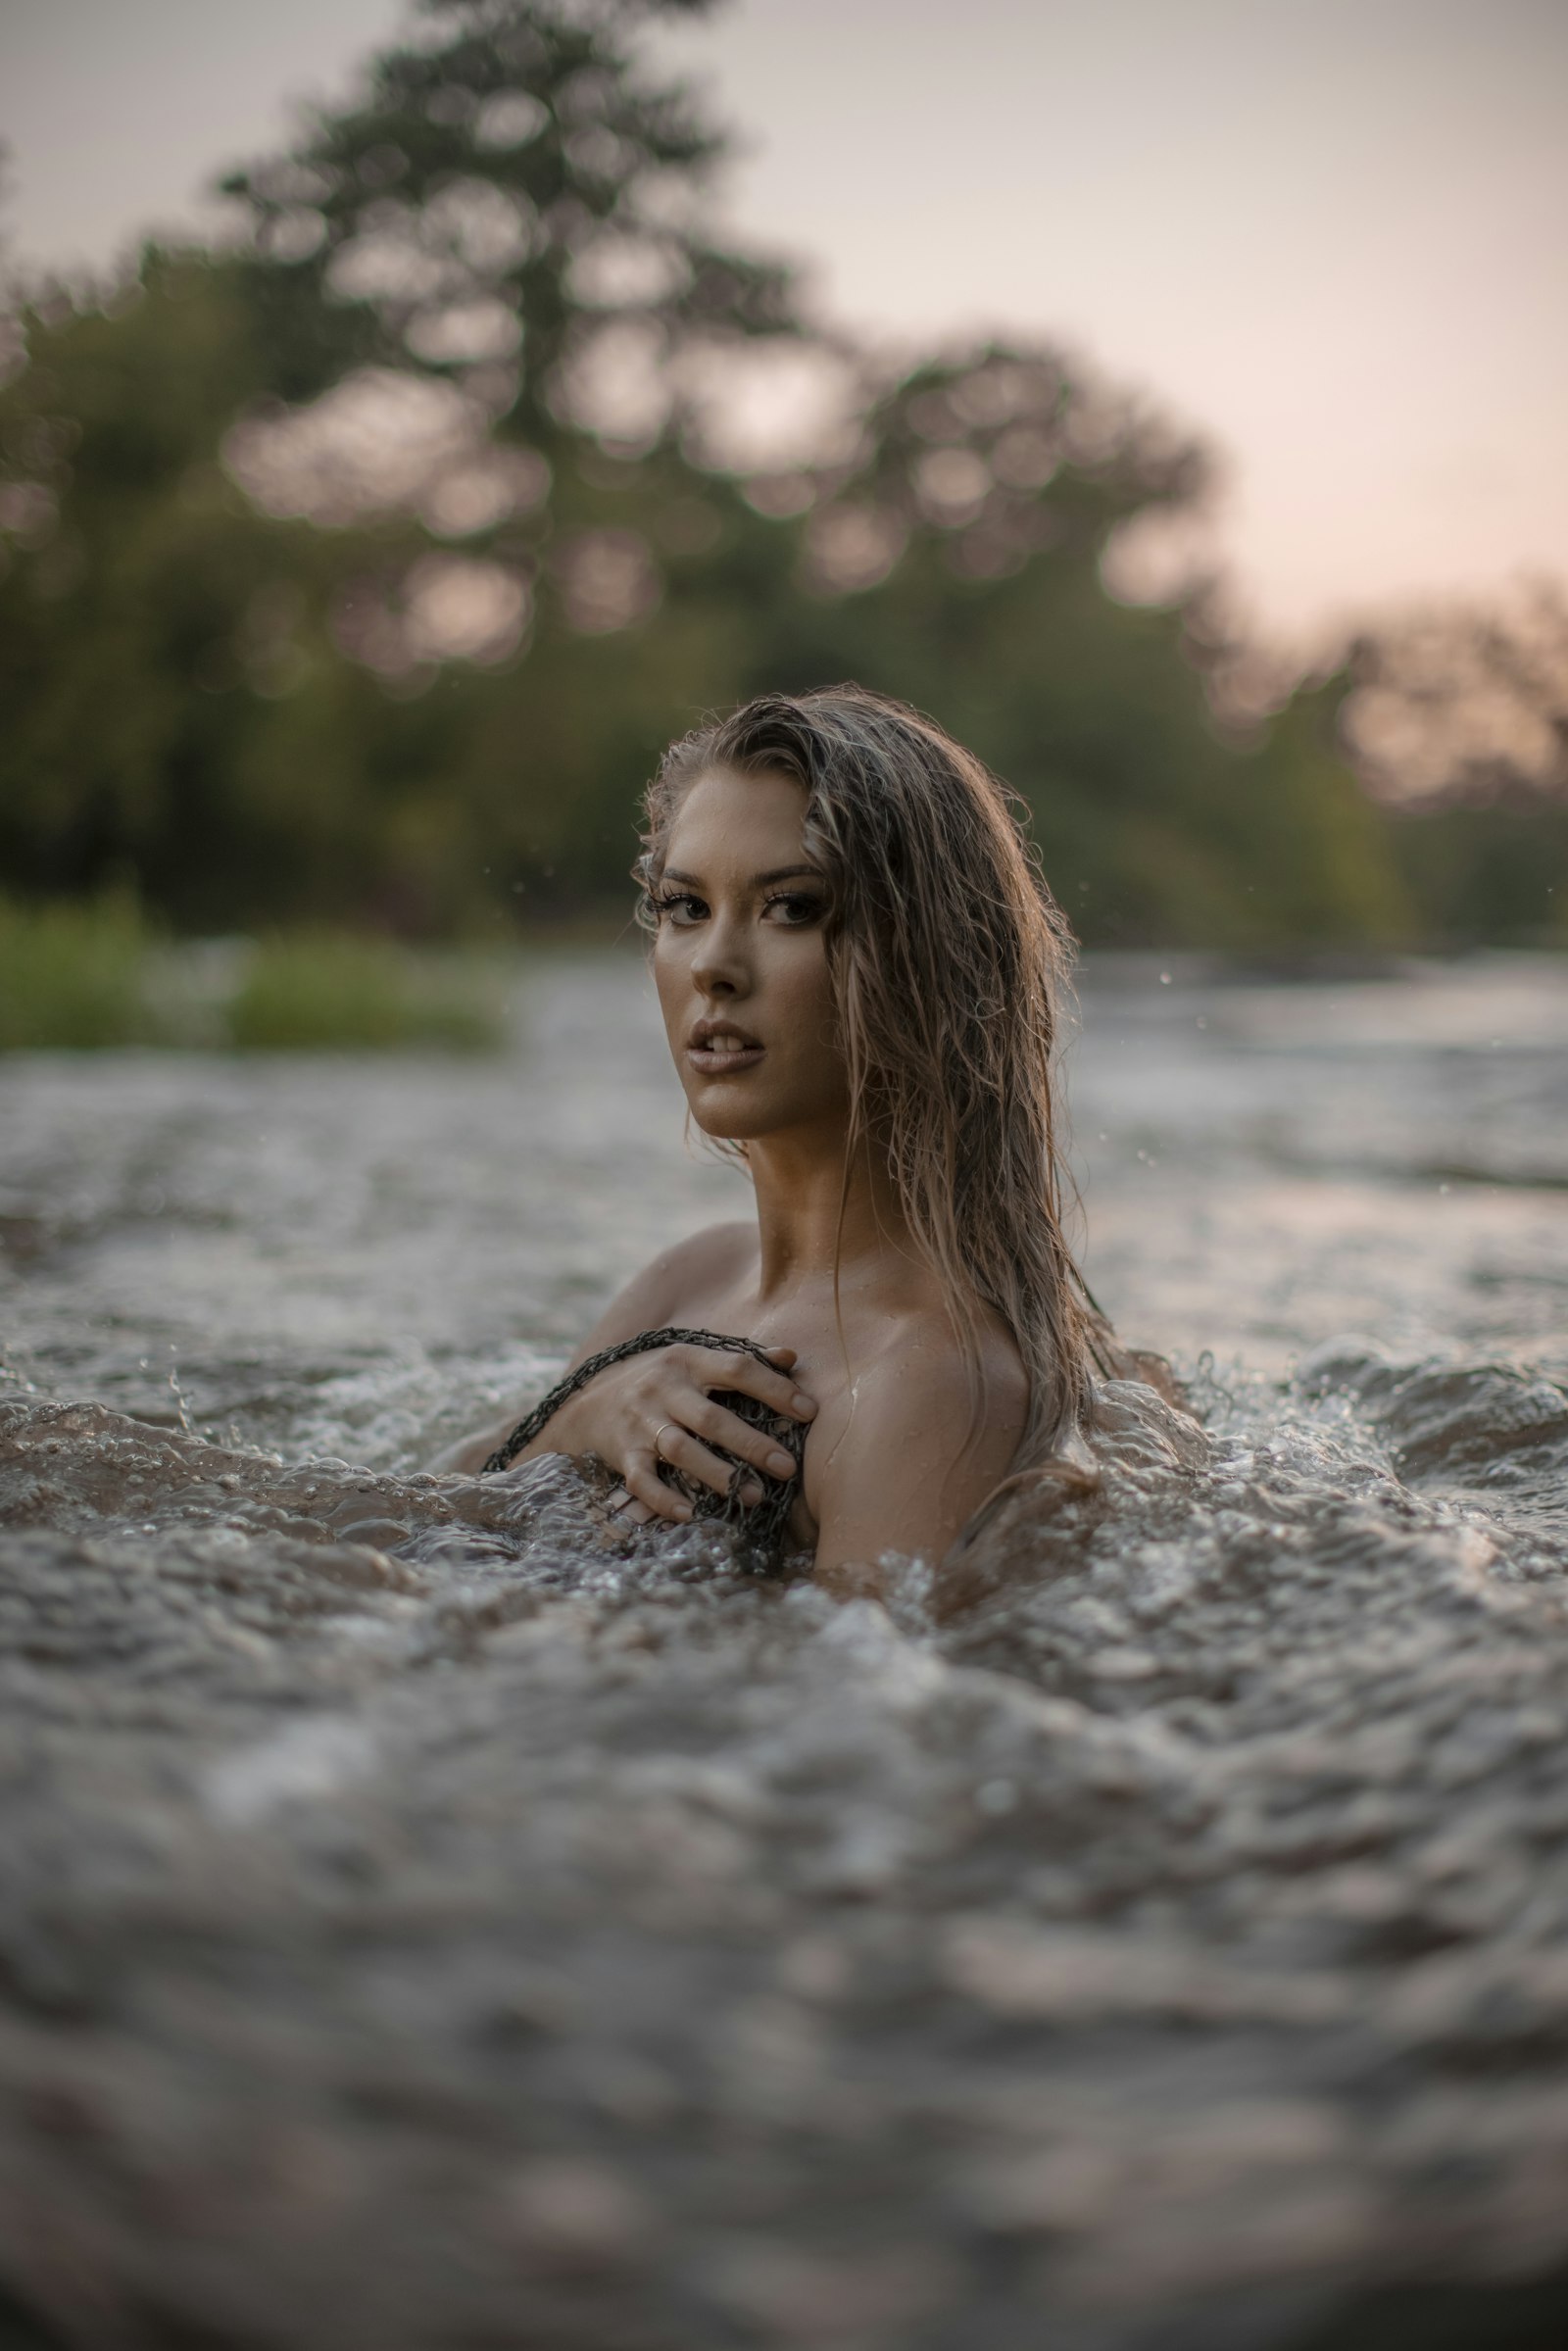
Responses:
[360,569]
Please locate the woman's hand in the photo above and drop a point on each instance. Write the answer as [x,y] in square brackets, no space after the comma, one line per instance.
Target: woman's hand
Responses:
[658,1407]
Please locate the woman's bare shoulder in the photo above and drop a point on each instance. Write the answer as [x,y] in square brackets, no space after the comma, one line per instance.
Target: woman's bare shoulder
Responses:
[718,1250]
[672,1287]
[679,1275]
[923,1397]
[914,1443]
[923,1374]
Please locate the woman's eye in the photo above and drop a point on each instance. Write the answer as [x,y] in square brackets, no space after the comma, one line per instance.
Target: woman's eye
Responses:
[682,909]
[796,909]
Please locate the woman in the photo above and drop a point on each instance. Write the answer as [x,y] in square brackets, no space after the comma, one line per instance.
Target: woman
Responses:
[858,966]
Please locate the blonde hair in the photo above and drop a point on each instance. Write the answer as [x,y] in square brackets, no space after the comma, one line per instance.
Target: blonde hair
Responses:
[949,961]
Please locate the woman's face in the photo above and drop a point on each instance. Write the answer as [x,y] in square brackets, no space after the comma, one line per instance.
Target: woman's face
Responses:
[741,961]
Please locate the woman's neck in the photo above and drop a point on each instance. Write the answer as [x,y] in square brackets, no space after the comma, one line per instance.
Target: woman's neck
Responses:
[813,1221]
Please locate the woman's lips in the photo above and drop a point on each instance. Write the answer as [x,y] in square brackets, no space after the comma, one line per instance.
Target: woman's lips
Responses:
[717,1050]
[719,1061]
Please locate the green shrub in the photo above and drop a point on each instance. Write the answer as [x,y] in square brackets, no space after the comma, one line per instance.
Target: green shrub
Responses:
[72,975]
[318,991]
[92,974]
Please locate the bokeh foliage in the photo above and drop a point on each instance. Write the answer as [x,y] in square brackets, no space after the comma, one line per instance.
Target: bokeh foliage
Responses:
[86,973]
[290,705]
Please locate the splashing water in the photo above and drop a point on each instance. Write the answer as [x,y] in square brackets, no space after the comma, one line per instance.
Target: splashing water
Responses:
[433,1914]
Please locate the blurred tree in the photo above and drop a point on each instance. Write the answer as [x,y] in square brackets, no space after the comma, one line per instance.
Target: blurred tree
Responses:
[1459,703]
[128,570]
[959,565]
[1457,718]
[1488,872]
[363,571]
[514,194]
[174,715]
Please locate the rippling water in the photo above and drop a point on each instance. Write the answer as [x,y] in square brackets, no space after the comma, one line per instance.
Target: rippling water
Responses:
[432,1917]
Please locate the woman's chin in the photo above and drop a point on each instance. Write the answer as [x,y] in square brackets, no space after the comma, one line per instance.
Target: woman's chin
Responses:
[729,1122]
[732,1110]
[737,1109]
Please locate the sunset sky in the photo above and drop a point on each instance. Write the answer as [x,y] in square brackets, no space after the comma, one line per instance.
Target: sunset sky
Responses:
[1332,236]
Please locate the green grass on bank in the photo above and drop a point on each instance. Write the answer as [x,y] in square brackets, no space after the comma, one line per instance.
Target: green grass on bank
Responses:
[85,976]
[72,975]
[318,990]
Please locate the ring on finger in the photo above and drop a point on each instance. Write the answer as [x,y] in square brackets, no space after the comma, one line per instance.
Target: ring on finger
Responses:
[657,1434]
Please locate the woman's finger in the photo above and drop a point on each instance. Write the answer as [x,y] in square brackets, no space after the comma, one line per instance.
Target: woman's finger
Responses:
[681,1449]
[717,1426]
[641,1477]
[710,1368]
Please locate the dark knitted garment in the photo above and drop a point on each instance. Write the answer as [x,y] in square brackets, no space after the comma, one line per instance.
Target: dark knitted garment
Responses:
[765,1523]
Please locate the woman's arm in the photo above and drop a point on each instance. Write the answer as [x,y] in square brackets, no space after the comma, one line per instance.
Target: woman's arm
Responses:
[467,1456]
[908,1460]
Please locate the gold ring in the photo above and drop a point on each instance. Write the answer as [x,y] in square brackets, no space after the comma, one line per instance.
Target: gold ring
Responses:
[658,1433]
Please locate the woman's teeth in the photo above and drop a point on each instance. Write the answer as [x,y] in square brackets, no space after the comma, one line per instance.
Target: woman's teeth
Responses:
[726,1046]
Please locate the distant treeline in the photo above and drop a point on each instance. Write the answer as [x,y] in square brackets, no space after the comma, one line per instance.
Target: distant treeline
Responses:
[360,572]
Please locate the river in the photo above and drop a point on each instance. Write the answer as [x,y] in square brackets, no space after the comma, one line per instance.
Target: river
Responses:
[432,1917]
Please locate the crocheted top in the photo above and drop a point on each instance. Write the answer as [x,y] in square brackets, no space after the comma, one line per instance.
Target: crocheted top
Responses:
[765,1523]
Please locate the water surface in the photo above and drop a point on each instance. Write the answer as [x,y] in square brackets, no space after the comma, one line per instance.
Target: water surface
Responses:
[431,1916]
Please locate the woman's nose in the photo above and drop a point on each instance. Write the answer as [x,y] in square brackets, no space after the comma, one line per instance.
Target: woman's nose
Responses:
[718,967]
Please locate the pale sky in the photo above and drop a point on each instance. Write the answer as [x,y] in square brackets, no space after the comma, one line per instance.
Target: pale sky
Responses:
[1330,234]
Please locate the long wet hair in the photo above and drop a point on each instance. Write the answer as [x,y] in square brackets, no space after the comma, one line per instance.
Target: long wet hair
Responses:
[949,961]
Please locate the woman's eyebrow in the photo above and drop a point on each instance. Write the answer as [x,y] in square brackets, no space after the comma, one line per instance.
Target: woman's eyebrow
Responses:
[777,873]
